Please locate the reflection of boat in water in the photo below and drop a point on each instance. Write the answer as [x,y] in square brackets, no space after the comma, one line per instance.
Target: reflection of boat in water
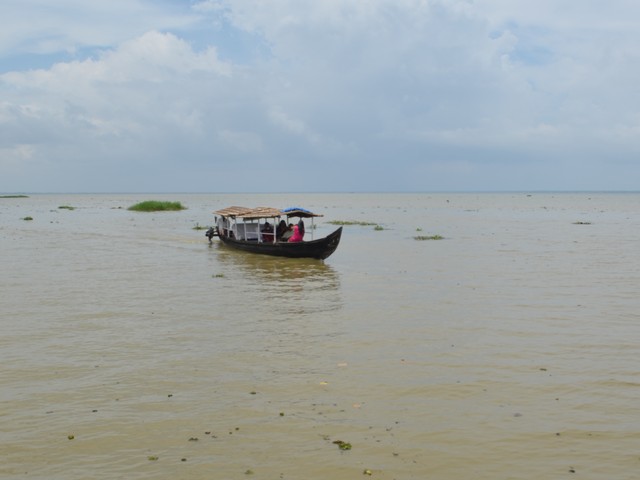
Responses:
[248,229]
[279,285]
[271,268]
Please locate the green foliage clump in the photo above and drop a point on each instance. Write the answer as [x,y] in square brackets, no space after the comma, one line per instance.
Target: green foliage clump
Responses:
[28,218]
[14,196]
[343,445]
[66,207]
[428,237]
[378,228]
[351,222]
[156,206]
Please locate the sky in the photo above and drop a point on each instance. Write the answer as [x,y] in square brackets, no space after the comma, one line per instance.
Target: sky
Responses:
[319,96]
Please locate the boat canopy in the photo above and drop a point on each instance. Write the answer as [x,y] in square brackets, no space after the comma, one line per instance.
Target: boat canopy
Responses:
[261,212]
[299,212]
[232,211]
[264,212]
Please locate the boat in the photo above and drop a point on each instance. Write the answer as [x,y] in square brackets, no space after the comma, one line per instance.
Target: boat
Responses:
[248,229]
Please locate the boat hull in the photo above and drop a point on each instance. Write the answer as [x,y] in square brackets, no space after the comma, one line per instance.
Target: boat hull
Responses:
[319,249]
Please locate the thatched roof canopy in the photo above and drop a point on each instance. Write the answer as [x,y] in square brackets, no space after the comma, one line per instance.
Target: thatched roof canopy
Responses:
[264,212]
[232,211]
[261,212]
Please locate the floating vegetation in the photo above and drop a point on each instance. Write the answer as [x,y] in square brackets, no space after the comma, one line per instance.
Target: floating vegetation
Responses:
[152,458]
[582,223]
[367,472]
[199,227]
[156,206]
[14,196]
[342,445]
[428,237]
[418,229]
[66,207]
[378,228]
[71,437]
[28,219]
[351,222]
[218,275]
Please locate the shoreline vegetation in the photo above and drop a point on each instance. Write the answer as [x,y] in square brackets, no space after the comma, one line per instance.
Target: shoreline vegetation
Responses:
[14,196]
[156,206]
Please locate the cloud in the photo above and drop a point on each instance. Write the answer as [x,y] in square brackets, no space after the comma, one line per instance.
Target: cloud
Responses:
[403,94]
[37,27]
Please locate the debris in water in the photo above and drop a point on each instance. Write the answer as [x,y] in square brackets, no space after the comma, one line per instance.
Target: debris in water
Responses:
[343,445]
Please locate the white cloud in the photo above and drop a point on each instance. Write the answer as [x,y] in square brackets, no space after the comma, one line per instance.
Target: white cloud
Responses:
[342,84]
[43,27]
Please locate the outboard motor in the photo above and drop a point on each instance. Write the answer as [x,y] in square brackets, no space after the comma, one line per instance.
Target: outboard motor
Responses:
[210,233]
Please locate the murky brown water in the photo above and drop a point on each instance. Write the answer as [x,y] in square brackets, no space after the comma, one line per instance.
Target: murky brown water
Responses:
[508,350]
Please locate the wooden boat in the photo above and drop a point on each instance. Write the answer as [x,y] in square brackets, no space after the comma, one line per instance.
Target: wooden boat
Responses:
[249,229]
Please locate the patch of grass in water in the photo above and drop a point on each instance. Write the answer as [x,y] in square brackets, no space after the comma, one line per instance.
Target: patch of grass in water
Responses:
[28,219]
[156,206]
[66,207]
[199,227]
[351,222]
[14,196]
[428,237]
[343,445]
[378,228]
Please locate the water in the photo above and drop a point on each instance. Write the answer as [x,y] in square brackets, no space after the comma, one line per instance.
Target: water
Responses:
[509,349]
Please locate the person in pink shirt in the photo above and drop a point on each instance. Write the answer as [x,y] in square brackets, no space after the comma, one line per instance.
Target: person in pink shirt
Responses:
[297,236]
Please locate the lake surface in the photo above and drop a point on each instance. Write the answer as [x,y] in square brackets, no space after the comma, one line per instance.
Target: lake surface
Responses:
[510,349]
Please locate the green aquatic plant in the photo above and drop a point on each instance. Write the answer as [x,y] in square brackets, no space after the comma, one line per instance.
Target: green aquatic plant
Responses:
[343,445]
[28,218]
[351,222]
[66,207]
[428,237]
[378,228]
[156,206]
[199,227]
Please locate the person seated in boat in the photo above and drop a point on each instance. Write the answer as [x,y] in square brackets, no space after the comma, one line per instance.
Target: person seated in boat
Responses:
[287,233]
[280,229]
[267,228]
[301,229]
[297,236]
